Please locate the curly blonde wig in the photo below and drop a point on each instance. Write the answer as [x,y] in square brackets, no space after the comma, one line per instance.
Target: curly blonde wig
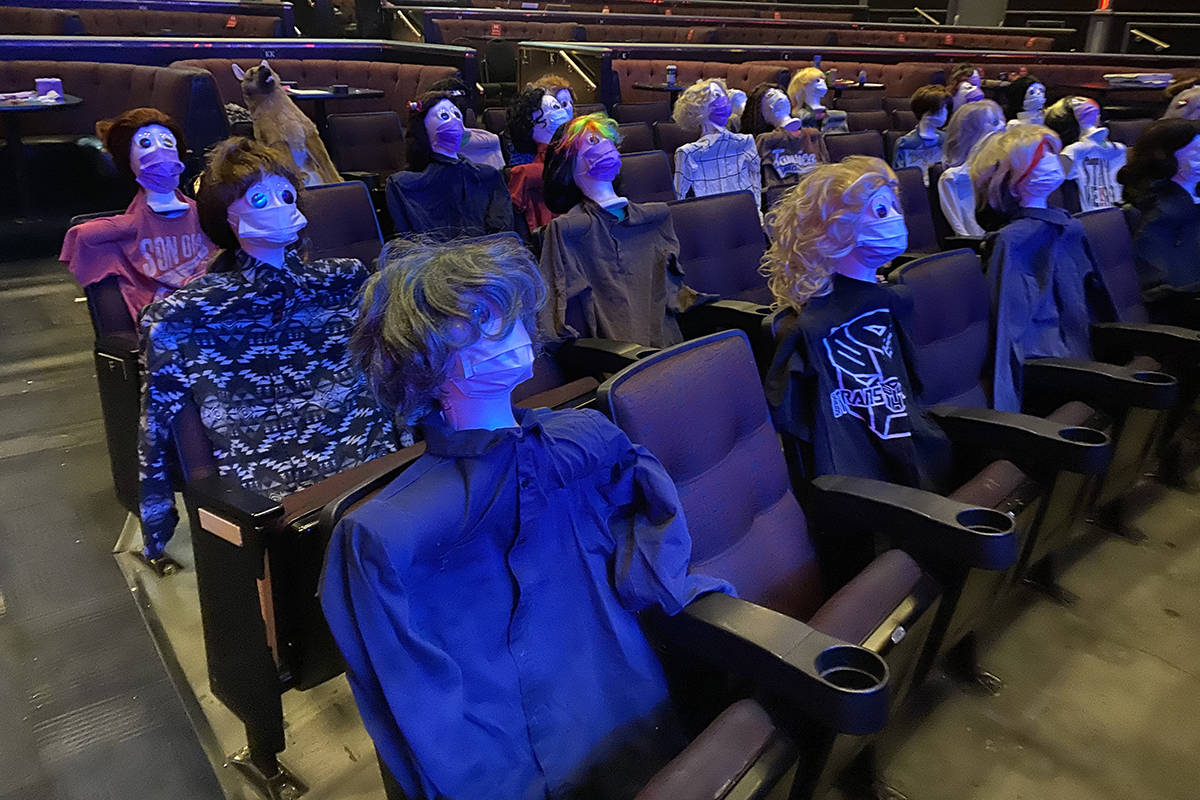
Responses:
[970,123]
[816,223]
[801,81]
[1002,160]
[692,106]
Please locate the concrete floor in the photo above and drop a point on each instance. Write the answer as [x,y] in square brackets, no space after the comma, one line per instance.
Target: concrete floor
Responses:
[1102,700]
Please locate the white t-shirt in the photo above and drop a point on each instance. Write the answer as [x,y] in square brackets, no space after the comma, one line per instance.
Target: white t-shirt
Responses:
[1094,164]
[957,196]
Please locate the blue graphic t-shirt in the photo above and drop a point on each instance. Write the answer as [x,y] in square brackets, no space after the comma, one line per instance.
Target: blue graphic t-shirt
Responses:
[839,384]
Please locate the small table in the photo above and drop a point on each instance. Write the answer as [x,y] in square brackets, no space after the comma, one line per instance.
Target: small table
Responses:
[12,111]
[673,88]
[319,94]
[847,85]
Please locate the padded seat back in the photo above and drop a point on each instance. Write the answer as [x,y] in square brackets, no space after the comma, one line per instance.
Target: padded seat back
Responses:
[495,119]
[1128,131]
[1111,248]
[636,137]
[860,143]
[914,201]
[743,76]
[653,111]
[699,408]
[667,34]
[144,22]
[949,326]
[670,136]
[868,120]
[400,83]
[856,100]
[342,222]
[721,244]
[583,109]
[372,141]
[480,30]
[903,119]
[17,21]
[646,177]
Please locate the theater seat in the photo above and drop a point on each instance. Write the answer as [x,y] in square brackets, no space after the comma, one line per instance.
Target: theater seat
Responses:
[342,222]
[670,136]
[918,215]
[878,120]
[654,111]
[367,146]
[861,143]
[856,102]
[1128,131]
[721,451]
[636,137]
[646,177]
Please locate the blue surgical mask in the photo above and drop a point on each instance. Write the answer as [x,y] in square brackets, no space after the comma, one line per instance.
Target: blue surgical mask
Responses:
[881,239]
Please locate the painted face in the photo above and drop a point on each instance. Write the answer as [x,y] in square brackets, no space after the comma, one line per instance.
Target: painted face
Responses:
[996,122]
[566,100]
[1046,176]
[1087,111]
[719,104]
[492,367]
[882,233]
[938,118]
[1035,97]
[596,158]
[817,89]
[775,107]
[967,92]
[548,119]
[1187,160]
[444,126]
[266,215]
[976,79]
[154,158]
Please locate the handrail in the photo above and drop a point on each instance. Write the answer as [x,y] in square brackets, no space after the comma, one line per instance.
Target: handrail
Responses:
[1159,44]
[926,16]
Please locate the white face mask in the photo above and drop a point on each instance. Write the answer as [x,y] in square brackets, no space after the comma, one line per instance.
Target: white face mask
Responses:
[882,233]
[1035,98]
[1087,112]
[266,216]
[1046,176]
[492,368]
[776,108]
[549,119]
[563,96]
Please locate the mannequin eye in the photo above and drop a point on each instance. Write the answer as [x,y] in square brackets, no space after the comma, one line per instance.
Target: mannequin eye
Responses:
[288,196]
[167,141]
[258,199]
[144,141]
[444,115]
[880,210]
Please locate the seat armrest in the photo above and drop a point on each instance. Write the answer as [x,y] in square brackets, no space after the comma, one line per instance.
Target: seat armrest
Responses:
[723,315]
[1026,439]
[973,243]
[1102,385]
[590,356]
[371,179]
[920,522]
[234,503]
[839,685]
[123,344]
[1120,341]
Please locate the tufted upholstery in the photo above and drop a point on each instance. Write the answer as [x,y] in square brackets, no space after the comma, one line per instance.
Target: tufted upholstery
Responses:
[372,141]
[452,30]
[950,346]
[750,532]
[722,259]
[738,76]
[773,35]
[400,82]
[107,90]
[140,22]
[1111,247]
[16,21]
[674,34]
[646,177]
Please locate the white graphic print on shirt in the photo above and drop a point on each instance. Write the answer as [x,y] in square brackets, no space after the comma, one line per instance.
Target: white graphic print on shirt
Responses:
[862,352]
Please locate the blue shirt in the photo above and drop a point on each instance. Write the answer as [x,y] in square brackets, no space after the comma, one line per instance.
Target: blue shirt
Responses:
[485,602]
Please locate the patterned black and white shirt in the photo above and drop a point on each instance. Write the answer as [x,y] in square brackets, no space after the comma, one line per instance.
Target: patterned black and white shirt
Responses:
[718,162]
[261,352]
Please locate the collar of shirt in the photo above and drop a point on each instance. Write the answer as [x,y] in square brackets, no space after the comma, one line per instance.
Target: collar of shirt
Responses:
[249,265]
[442,440]
[1055,216]
[709,138]
[441,159]
[635,214]
[1096,135]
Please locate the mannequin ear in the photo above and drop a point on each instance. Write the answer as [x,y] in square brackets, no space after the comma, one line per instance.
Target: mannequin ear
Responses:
[238,72]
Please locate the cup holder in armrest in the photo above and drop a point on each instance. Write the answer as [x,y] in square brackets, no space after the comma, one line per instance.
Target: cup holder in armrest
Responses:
[984,520]
[1083,435]
[852,668]
[1146,376]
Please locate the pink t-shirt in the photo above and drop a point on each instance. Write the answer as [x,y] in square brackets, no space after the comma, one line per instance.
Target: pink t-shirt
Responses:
[151,254]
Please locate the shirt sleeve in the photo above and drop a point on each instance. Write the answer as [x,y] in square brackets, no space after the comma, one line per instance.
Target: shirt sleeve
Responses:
[399,678]
[163,396]
[752,166]
[951,208]
[395,204]
[557,273]
[683,173]
[652,546]
[1154,247]
[1011,310]
[786,386]
[499,214]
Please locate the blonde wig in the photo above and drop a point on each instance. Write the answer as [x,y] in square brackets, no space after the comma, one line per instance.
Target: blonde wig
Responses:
[801,81]
[1003,160]
[692,106]
[816,223]
[967,126]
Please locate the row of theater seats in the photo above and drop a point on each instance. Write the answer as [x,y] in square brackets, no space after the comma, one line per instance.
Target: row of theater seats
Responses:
[72,21]
[968,548]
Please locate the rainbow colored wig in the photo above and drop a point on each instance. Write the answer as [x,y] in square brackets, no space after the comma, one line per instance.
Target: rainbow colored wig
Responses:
[598,123]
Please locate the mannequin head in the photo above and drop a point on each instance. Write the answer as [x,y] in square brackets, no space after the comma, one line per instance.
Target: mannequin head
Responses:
[582,161]
[767,108]
[737,100]
[704,105]
[930,105]
[449,327]
[963,73]
[1072,117]
[435,125]
[1025,95]
[840,218]
[1018,168]
[249,200]
[967,127]
[147,146]
[806,88]
[1183,100]
[1161,153]
[533,118]
[560,88]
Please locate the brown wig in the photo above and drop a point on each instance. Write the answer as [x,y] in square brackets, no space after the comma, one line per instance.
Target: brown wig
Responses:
[752,118]
[1152,158]
[117,134]
[235,165]
[929,99]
